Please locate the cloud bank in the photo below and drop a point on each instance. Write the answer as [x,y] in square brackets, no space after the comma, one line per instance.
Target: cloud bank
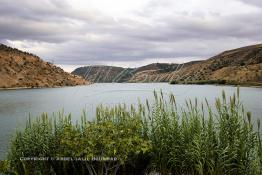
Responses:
[129,32]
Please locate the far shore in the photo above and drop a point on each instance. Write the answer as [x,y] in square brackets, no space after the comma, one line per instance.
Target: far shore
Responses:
[233,85]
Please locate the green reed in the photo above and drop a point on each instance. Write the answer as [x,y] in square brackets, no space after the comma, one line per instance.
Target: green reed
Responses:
[194,140]
[201,141]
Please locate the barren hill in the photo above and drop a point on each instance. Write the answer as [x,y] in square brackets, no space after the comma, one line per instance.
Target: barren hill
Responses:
[103,74]
[21,69]
[238,66]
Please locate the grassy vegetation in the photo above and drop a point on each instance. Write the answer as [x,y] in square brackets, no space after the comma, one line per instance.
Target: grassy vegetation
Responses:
[195,140]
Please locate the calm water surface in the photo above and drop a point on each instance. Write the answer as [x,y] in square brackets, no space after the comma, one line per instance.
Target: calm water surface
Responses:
[16,105]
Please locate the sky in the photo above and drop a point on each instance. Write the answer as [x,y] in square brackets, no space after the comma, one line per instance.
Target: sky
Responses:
[128,33]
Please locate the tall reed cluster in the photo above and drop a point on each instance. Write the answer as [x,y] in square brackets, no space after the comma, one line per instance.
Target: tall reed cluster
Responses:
[201,141]
[160,138]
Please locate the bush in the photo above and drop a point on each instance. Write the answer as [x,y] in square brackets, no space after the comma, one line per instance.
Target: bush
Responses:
[4,166]
[115,134]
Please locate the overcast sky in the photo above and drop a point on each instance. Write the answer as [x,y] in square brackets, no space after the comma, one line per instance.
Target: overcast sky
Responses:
[128,33]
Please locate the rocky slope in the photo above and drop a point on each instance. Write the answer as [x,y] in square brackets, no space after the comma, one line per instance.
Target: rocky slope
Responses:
[20,69]
[238,66]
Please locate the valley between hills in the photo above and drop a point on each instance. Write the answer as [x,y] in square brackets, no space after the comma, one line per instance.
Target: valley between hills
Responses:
[241,66]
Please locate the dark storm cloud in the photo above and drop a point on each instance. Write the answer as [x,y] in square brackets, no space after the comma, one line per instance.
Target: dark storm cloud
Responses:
[79,37]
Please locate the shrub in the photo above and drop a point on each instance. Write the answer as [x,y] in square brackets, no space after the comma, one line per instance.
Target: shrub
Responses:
[115,134]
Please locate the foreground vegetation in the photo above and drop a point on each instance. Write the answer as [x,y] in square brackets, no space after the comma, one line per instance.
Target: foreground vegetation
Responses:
[195,140]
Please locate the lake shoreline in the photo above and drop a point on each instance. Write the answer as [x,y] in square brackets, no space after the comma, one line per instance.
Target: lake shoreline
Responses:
[45,87]
[217,84]
[230,85]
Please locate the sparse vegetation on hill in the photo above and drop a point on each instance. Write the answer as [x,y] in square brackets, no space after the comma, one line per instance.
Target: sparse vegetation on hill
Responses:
[238,66]
[107,74]
[21,69]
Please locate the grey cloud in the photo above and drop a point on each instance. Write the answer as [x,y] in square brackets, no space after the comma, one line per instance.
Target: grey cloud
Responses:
[175,29]
[49,21]
[81,37]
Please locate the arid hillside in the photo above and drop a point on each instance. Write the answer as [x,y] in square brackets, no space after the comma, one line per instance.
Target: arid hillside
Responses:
[20,69]
[238,66]
[105,74]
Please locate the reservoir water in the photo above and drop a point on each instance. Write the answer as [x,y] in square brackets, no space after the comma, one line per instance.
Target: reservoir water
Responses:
[16,105]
